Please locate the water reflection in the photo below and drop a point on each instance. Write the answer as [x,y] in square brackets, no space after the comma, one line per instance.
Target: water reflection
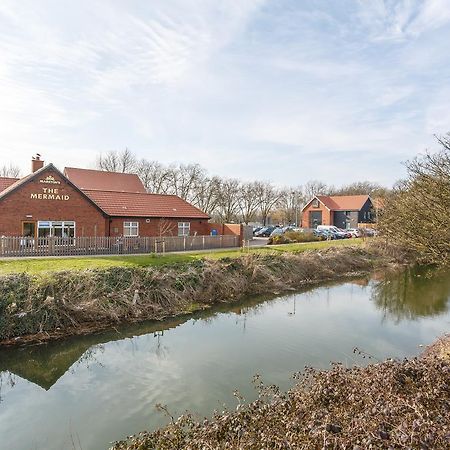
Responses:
[104,387]
[405,295]
[45,364]
[412,294]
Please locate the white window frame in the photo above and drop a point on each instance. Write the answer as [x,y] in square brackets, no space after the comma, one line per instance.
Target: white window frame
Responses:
[184,228]
[131,226]
[51,226]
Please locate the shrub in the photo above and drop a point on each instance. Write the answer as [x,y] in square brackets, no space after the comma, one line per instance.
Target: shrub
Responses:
[293,237]
[395,404]
[415,217]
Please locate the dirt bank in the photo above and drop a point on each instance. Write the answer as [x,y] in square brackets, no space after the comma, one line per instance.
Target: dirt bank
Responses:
[36,308]
[395,404]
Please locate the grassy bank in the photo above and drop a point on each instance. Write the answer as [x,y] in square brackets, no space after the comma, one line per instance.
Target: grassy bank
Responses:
[402,405]
[45,305]
[38,265]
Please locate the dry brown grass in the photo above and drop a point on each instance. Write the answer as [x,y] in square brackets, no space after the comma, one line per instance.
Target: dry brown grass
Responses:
[440,348]
[64,303]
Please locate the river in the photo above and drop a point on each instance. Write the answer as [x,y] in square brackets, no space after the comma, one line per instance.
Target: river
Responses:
[84,392]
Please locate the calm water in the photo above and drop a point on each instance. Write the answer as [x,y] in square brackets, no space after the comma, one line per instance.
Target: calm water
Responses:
[86,392]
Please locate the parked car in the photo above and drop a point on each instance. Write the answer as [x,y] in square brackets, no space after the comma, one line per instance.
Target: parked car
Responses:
[355,232]
[369,232]
[265,231]
[337,233]
[323,235]
[346,232]
[256,229]
[291,228]
[277,232]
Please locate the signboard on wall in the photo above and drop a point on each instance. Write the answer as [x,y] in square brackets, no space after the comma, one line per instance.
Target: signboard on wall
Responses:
[49,194]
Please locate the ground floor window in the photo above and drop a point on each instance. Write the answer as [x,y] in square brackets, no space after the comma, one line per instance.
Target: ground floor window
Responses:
[29,229]
[184,228]
[62,229]
[131,229]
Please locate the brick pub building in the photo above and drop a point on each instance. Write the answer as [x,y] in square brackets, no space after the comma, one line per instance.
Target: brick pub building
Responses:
[91,203]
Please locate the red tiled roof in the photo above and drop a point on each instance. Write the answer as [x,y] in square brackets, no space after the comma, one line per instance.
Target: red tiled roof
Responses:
[343,202]
[5,182]
[88,179]
[137,204]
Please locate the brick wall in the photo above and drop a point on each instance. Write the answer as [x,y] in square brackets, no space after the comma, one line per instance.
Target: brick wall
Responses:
[152,226]
[227,229]
[47,201]
[326,214]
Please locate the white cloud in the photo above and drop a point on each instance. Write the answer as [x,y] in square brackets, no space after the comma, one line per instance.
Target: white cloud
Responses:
[226,84]
[403,19]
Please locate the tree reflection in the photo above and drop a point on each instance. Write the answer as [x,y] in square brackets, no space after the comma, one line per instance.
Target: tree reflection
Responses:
[412,294]
[7,378]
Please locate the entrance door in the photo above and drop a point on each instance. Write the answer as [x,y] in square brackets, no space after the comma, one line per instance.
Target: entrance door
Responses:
[315,218]
[29,229]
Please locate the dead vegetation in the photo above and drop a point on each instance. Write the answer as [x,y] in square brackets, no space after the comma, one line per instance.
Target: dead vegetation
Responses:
[391,405]
[71,302]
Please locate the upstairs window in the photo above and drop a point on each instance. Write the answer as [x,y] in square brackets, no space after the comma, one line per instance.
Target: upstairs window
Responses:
[315,203]
[184,228]
[131,229]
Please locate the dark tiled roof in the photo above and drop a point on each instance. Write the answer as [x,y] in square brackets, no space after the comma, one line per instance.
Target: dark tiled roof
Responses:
[88,179]
[5,182]
[137,204]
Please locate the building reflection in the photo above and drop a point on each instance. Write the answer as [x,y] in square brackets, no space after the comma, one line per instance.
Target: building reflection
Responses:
[45,364]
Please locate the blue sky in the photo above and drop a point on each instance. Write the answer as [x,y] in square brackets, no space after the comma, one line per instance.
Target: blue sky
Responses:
[284,91]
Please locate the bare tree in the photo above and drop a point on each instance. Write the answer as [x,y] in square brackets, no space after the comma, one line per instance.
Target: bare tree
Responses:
[314,187]
[206,194]
[10,171]
[359,188]
[249,200]
[124,161]
[269,197]
[228,200]
[415,216]
[185,178]
[154,176]
[165,227]
[290,204]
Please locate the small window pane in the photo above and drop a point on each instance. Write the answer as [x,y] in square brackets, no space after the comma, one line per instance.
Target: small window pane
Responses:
[131,229]
[184,228]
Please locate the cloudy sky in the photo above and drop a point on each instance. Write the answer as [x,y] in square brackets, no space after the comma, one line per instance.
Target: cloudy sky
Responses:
[280,90]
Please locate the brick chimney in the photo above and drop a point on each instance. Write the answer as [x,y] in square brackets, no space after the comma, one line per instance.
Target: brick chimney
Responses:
[36,163]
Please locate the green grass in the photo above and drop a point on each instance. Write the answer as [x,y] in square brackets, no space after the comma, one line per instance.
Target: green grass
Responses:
[38,265]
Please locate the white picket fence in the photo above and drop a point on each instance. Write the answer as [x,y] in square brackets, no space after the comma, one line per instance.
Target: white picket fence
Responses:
[57,246]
